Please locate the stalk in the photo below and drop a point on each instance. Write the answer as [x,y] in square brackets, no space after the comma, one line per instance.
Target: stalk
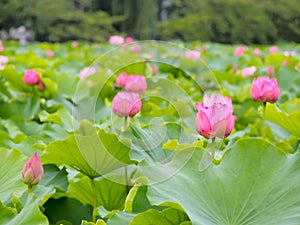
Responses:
[263,132]
[95,198]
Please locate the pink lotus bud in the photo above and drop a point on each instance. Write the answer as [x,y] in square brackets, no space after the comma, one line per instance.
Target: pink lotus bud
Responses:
[205,48]
[136,83]
[41,86]
[116,40]
[249,71]
[154,70]
[239,50]
[270,70]
[1,46]
[264,89]
[87,71]
[33,170]
[126,104]
[31,77]
[273,49]
[136,48]
[214,117]
[285,62]
[49,53]
[257,52]
[234,68]
[193,54]
[128,40]
[121,80]
[74,44]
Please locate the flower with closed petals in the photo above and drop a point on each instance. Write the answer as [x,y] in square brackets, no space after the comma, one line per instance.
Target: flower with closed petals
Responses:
[116,40]
[270,70]
[121,80]
[249,71]
[126,104]
[31,77]
[239,50]
[128,40]
[136,83]
[214,117]
[273,49]
[193,54]
[257,52]
[32,171]
[264,89]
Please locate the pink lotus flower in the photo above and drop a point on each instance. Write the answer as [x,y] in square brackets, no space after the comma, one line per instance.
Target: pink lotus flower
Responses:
[214,117]
[273,49]
[154,70]
[136,48]
[116,40]
[121,80]
[33,170]
[249,71]
[136,83]
[193,54]
[289,53]
[49,53]
[270,70]
[257,52]
[285,62]
[74,44]
[87,71]
[126,104]
[239,50]
[1,46]
[264,89]
[3,59]
[234,68]
[31,77]
[205,48]
[128,40]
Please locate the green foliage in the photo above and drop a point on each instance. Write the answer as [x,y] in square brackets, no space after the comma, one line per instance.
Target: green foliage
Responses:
[235,21]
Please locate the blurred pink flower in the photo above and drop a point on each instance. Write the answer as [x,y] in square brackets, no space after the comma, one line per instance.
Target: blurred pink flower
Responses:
[264,89]
[31,77]
[136,48]
[3,59]
[32,171]
[1,46]
[234,68]
[214,117]
[193,54]
[49,53]
[205,48]
[128,40]
[239,50]
[257,52]
[116,40]
[249,71]
[136,83]
[121,80]
[285,62]
[289,53]
[74,44]
[297,67]
[87,71]
[154,69]
[273,49]
[270,70]
[126,104]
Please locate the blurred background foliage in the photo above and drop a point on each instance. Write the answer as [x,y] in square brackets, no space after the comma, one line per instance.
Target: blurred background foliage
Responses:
[223,21]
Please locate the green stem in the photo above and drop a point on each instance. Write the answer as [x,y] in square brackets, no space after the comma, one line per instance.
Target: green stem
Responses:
[95,198]
[29,189]
[213,145]
[125,122]
[263,132]
[126,179]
